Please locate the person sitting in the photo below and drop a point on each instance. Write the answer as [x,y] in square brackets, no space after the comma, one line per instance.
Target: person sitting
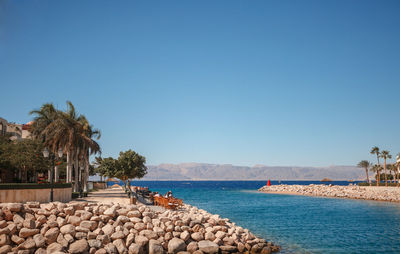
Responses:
[169,194]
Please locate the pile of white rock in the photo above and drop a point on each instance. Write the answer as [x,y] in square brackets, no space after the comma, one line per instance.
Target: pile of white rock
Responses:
[81,227]
[352,191]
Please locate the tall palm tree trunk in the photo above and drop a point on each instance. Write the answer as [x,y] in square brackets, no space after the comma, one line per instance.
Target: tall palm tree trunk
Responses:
[85,179]
[385,174]
[69,167]
[378,178]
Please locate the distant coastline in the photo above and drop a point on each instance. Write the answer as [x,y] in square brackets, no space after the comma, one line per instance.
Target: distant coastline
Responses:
[227,172]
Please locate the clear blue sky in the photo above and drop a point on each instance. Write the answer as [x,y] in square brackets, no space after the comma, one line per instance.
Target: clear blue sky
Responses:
[310,83]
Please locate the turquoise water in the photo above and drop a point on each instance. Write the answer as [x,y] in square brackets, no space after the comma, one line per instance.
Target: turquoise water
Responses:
[299,224]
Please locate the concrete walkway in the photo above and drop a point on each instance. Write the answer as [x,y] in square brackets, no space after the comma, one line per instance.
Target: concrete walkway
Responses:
[109,195]
[113,195]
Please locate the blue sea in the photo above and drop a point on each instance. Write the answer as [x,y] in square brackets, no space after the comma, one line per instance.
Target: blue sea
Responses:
[299,224]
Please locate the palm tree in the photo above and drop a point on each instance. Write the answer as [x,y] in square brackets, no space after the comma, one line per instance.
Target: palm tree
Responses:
[392,168]
[43,117]
[375,150]
[365,164]
[385,155]
[78,143]
[377,169]
[71,132]
[89,145]
[62,133]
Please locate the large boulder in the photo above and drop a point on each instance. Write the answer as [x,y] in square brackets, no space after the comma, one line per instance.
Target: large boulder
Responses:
[135,213]
[68,229]
[5,249]
[51,235]
[208,246]
[110,212]
[197,236]
[120,245]
[14,207]
[93,243]
[141,240]
[74,220]
[110,248]
[40,241]
[155,247]
[5,239]
[176,245]
[117,235]
[54,247]
[108,229]
[192,247]
[91,225]
[135,249]
[185,236]
[27,244]
[16,239]
[26,232]
[79,246]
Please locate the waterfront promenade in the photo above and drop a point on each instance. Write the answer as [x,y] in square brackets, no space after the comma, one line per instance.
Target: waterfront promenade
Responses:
[391,194]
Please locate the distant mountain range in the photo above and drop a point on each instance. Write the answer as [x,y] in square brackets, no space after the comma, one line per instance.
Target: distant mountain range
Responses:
[204,171]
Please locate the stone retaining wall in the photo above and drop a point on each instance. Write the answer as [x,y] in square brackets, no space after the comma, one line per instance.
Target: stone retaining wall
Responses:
[40,195]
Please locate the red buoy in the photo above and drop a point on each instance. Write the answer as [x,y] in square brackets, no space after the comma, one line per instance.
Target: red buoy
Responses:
[269,183]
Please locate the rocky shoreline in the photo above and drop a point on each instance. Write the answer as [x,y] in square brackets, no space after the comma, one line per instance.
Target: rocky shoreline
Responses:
[391,194]
[100,228]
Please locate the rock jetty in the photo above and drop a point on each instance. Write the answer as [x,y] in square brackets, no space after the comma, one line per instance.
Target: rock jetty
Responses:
[99,228]
[391,194]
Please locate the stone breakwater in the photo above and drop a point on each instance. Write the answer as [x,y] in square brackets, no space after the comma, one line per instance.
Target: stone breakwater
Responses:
[391,194]
[81,227]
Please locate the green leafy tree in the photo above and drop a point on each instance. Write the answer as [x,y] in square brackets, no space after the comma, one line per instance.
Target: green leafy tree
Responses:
[107,167]
[365,164]
[24,156]
[102,167]
[130,165]
[385,155]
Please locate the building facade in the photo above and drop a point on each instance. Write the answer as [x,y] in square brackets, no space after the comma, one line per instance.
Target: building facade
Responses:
[16,131]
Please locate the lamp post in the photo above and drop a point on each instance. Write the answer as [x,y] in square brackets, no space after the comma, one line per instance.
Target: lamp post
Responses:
[46,154]
[80,165]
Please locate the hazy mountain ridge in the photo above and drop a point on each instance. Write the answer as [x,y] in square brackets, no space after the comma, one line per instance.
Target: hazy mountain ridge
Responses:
[204,171]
